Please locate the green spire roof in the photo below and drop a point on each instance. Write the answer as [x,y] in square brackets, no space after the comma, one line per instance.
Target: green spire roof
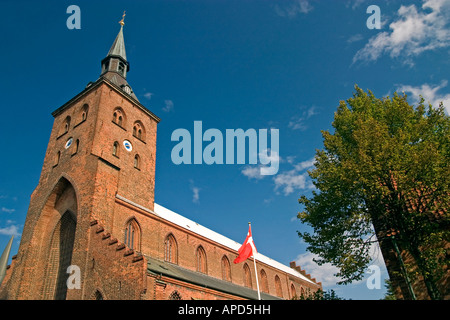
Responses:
[118,47]
[4,259]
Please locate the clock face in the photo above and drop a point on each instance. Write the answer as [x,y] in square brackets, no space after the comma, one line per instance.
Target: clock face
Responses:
[68,143]
[127,145]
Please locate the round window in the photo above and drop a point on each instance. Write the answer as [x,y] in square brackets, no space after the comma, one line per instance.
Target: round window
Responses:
[68,143]
[127,145]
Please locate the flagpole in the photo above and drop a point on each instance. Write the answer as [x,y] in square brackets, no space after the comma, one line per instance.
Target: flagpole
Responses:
[256,272]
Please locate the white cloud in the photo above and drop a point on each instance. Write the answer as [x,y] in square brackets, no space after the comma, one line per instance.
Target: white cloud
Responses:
[354,3]
[355,38]
[196,195]
[8,210]
[294,179]
[326,272]
[415,31]
[252,172]
[305,164]
[299,122]
[148,95]
[287,181]
[429,93]
[168,106]
[12,230]
[292,9]
[271,158]
[195,192]
[290,181]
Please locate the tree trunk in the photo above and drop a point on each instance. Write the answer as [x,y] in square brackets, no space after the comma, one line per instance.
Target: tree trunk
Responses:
[428,278]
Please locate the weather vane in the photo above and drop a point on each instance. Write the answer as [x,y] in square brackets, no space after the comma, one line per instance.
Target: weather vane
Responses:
[123,18]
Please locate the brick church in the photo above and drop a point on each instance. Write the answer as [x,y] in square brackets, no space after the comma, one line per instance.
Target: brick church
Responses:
[94,209]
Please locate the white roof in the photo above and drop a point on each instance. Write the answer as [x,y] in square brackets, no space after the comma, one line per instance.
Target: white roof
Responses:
[193,226]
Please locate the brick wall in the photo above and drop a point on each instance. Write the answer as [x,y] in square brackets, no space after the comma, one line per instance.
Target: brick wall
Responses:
[85,181]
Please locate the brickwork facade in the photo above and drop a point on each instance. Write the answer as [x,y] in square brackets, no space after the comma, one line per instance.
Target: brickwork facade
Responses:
[93,208]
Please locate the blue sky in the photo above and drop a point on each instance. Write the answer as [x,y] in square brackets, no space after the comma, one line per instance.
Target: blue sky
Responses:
[230,64]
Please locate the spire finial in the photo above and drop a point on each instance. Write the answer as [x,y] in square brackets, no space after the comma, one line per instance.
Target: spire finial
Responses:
[123,18]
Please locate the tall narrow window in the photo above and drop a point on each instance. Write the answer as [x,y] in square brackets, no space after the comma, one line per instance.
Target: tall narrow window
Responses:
[84,112]
[226,269]
[119,117]
[139,131]
[278,289]
[59,259]
[175,296]
[121,68]
[57,158]
[137,162]
[170,249]
[76,147]
[201,259]
[293,292]
[98,295]
[264,282]
[132,235]
[65,126]
[247,276]
[116,149]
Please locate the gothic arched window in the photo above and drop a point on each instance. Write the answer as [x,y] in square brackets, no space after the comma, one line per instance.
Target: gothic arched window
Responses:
[278,286]
[264,282]
[65,126]
[170,249]
[138,130]
[77,146]
[57,158]
[119,117]
[132,235]
[137,162]
[175,296]
[84,112]
[116,149]
[98,295]
[226,269]
[293,292]
[121,68]
[201,260]
[247,276]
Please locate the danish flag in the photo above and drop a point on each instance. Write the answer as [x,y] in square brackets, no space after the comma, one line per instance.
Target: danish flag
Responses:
[247,249]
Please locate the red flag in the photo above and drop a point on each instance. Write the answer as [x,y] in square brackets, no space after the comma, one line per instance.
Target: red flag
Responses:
[247,249]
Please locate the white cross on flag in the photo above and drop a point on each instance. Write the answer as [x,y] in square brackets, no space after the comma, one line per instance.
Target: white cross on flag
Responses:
[247,249]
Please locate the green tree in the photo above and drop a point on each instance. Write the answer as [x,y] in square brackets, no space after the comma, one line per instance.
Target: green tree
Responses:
[318,295]
[384,170]
[390,295]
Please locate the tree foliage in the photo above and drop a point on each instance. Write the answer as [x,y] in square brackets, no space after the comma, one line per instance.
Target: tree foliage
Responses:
[385,166]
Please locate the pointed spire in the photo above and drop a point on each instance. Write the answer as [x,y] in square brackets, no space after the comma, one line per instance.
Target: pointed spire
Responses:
[118,47]
[4,259]
[115,65]
[116,60]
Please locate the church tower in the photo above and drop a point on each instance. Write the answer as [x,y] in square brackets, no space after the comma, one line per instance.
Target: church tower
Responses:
[102,147]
